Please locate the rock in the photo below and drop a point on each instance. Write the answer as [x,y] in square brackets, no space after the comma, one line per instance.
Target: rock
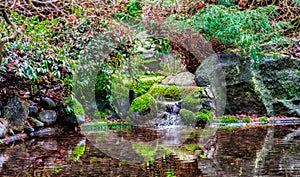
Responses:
[181,79]
[28,129]
[36,122]
[16,112]
[48,117]
[47,103]
[264,84]
[3,130]
[73,118]
[33,110]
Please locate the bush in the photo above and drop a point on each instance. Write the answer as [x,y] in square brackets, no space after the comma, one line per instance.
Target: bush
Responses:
[204,115]
[264,119]
[246,119]
[245,29]
[229,119]
[187,116]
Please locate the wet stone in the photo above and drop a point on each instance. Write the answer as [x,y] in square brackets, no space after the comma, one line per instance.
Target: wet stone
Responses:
[48,117]
[3,130]
[48,103]
[33,110]
[36,122]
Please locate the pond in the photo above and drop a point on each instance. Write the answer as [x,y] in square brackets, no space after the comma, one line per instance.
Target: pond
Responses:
[142,151]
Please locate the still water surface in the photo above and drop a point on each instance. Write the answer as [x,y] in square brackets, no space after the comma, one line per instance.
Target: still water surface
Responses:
[260,151]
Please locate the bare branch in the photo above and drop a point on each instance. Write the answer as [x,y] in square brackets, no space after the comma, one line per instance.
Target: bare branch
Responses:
[9,38]
[16,31]
[46,2]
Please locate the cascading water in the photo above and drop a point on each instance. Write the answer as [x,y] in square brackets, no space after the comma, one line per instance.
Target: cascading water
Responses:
[169,114]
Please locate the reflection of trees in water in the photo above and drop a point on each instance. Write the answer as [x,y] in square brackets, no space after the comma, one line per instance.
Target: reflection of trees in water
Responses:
[256,151]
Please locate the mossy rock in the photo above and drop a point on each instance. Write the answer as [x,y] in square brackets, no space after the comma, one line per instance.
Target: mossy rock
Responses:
[167,91]
[145,83]
[192,99]
[188,117]
[143,104]
[75,111]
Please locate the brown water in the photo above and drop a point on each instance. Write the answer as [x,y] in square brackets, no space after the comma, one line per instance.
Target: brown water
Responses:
[261,151]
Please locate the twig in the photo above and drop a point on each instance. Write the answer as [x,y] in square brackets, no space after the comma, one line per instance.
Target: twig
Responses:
[46,2]
[9,38]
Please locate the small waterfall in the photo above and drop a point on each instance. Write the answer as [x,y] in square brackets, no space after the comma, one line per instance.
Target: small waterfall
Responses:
[168,114]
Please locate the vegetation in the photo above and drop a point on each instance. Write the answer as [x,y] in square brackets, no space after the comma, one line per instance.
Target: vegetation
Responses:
[143,103]
[204,115]
[246,119]
[167,91]
[229,119]
[187,116]
[192,100]
[264,119]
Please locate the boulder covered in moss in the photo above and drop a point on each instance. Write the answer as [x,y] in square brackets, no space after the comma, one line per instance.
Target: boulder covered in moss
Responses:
[71,112]
[166,91]
[188,117]
[143,108]
[192,99]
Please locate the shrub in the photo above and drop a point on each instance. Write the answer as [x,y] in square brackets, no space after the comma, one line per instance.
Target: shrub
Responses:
[204,115]
[187,116]
[245,29]
[229,119]
[263,119]
[246,119]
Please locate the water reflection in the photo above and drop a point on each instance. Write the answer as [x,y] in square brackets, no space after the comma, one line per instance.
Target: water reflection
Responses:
[260,151]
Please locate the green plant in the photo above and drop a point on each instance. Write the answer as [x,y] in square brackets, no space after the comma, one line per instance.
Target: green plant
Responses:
[298,73]
[229,119]
[246,119]
[191,98]
[187,116]
[245,29]
[263,119]
[168,91]
[191,147]
[134,8]
[204,115]
[143,103]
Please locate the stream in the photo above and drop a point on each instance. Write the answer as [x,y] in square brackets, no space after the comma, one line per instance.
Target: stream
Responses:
[146,151]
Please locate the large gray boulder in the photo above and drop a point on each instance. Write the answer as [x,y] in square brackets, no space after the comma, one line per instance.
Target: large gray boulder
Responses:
[16,111]
[265,84]
[180,79]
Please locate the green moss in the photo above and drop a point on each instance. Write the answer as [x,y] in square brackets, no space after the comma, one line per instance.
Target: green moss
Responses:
[192,98]
[78,109]
[99,114]
[298,73]
[263,119]
[229,128]
[168,91]
[204,115]
[73,106]
[191,147]
[187,116]
[78,151]
[229,119]
[145,149]
[142,103]
[145,83]
[246,119]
